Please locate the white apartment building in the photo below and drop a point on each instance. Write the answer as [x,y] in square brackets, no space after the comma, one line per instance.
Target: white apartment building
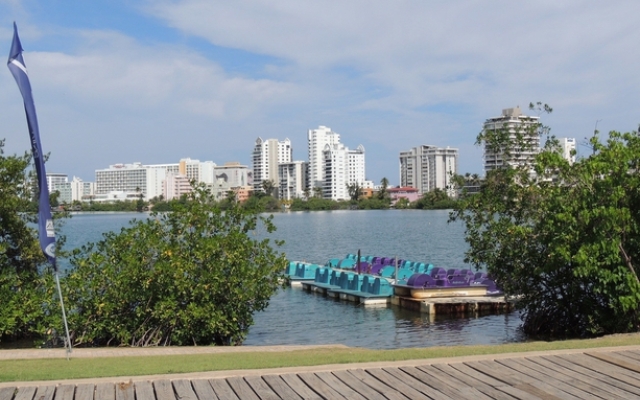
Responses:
[293,179]
[76,190]
[318,139]
[568,146]
[513,123]
[342,167]
[54,178]
[233,173]
[267,155]
[131,179]
[426,168]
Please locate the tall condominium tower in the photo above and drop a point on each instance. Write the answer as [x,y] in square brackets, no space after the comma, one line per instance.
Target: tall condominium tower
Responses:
[267,155]
[511,151]
[428,167]
[342,167]
[568,146]
[317,140]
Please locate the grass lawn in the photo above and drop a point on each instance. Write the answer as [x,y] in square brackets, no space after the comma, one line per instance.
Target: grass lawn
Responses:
[56,369]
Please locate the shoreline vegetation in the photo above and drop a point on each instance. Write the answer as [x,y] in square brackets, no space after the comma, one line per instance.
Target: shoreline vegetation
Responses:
[239,359]
[434,200]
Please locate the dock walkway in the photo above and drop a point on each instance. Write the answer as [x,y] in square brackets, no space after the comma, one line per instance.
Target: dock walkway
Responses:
[602,373]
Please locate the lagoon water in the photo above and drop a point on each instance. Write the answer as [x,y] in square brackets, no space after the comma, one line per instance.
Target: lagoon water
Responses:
[298,317]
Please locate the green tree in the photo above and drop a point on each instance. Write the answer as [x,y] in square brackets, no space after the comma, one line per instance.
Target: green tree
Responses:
[563,241]
[354,190]
[269,187]
[384,185]
[193,276]
[317,192]
[26,282]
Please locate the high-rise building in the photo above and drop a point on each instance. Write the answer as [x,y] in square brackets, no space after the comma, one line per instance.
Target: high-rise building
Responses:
[175,186]
[267,155]
[76,190]
[131,179]
[233,173]
[293,179]
[518,143]
[568,147]
[54,178]
[426,168]
[342,167]
[318,139]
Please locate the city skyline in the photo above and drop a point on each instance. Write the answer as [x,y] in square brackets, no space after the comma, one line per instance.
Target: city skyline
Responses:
[116,82]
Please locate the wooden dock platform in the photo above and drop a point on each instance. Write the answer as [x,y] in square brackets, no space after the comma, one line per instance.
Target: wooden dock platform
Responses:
[612,373]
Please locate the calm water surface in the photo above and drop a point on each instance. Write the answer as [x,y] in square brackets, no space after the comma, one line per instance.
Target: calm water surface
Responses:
[298,317]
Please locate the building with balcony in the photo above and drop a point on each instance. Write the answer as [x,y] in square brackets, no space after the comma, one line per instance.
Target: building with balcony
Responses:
[342,167]
[267,155]
[426,168]
[511,140]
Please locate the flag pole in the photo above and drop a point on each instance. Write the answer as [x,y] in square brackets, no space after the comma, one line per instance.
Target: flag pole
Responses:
[67,345]
[46,230]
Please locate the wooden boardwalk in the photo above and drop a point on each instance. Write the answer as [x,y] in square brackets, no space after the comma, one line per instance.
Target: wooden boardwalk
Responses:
[581,374]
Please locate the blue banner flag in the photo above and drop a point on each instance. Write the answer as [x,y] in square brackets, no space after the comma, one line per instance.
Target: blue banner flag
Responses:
[45,221]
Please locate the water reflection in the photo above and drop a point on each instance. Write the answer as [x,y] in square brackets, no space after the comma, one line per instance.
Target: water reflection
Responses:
[299,317]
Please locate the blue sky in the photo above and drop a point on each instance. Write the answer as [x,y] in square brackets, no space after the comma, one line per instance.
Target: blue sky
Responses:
[156,81]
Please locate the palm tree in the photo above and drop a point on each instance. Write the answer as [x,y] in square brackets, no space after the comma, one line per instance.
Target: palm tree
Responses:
[317,191]
[354,190]
[268,186]
[307,193]
[384,184]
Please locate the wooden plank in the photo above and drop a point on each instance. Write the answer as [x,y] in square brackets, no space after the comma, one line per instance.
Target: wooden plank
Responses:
[242,388]
[517,380]
[163,389]
[85,391]
[300,387]
[65,392]
[597,388]
[628,355]
[125,391]
[7,393]
[358,385]
[45,393]
[427,384]
[25,393]
[105,391]
[449,386]
[535,391]
[631,366]
[320,387]
[475,383]
[280,387]
[203,389]
[223,390]
[475,374]
[261,388]
[605,368]
[339,386]
[391,381]
[417,384]
[548,382]
[144,391]
[594,375]
[388,392]
[183,389]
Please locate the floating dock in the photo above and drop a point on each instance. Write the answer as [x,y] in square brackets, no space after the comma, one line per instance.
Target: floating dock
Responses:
[462,305]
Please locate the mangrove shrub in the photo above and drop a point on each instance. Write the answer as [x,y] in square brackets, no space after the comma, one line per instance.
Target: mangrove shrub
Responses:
[191,276]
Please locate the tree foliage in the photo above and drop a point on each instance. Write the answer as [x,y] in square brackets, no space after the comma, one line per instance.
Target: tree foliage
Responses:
[25,282]
[563,240]
[193,276]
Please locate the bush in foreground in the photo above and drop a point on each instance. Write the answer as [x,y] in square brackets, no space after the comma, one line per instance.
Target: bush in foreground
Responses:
[192,276]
